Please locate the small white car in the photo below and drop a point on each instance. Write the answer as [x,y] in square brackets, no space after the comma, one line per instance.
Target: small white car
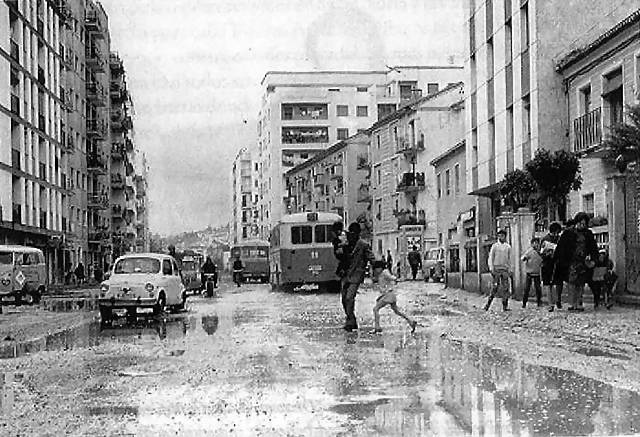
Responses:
[142,280]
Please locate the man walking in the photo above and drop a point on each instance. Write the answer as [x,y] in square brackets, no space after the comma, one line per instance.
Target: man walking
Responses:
[360,254]
[389,261]
[500,268]
[415,261]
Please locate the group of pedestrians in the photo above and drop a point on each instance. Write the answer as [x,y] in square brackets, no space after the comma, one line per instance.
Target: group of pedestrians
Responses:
[353,255]
[564,259]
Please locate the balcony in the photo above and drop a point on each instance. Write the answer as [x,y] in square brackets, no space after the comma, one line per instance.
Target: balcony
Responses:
[96,164]
[363,195]
[97,201]
[94,59]
[411,182]
[15,51]
[116,211]
[96,128]
[115,64]
[68,143]
[118,150]
[410,218]
[93,23]
[410,96]
[409,148]
[15,159]
[120,121]
[118,92]
[587,131]
[15,105]
[129,184]
[117,181]
[95,94]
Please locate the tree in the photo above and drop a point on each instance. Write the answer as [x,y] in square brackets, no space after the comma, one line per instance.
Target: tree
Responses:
[517,189]
[624,138]
[554,175]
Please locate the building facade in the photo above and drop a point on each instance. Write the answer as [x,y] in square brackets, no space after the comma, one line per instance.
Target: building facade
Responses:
[515,98]
[404,184]
[304,113]
[335,180]
[245,198]
[55,132]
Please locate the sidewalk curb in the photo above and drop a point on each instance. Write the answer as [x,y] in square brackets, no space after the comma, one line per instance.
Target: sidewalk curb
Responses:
[58,339]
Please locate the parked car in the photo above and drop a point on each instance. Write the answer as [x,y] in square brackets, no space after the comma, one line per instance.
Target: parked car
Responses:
[142,280]
[23,274]
[433,264]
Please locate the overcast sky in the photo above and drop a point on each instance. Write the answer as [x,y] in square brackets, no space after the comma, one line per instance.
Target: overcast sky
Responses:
[194,69]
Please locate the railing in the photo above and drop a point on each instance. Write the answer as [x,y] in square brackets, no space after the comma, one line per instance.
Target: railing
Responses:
[95,91]
[411,218]
[412,95]
[408,147]
[100,201]
[115,63]
[118,150]
[96,162]
[117,181]
[411,182]
[587,130]
[96,127]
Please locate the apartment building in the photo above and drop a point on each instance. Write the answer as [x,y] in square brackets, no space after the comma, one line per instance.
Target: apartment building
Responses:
[33,163]
[143,235]
[601,78]
[405,187]
[245,198]
[335,180]
[98,146]
[123,208]
[515,98]
[304,113]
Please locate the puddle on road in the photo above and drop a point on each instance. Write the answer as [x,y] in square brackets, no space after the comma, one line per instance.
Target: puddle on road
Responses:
[454,388]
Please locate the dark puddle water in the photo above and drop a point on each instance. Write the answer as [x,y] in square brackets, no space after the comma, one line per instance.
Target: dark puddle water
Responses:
[454,388]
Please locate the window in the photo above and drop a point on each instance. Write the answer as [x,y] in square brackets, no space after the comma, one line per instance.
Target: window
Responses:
[362,89]
[432,88]
[588,204]
[613,97]
[472,258]
[287,113]
[301,234]
[447,181]
[362,111]
[454,260]
[323,233]
[166,268]
[343,134]
[585,99]
[456,178]
[342,110]
[439,185]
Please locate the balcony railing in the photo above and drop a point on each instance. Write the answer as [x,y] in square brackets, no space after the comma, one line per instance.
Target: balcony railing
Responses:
[92,22]
[410,182]
[363,195]
[94,59]
[95,93]
[409,148]
[337,172]
[118,150]
[117,181]
[408,96]
[96,128]
[97,201]
[411,218]
[115,63]
[587,130]
[96,164]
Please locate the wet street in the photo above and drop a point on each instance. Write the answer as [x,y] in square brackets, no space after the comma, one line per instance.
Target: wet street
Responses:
[257,362]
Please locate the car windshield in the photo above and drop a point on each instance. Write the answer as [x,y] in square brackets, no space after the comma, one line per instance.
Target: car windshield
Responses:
[137,265]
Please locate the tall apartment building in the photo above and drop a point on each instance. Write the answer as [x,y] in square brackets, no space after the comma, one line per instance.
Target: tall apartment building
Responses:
[33,162]
[304,113]
[98,148]
[245,198]
[515,98]
[123,184]
[405,186]
[142,205]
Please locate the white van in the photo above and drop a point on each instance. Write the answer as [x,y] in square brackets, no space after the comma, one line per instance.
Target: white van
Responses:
[23,274]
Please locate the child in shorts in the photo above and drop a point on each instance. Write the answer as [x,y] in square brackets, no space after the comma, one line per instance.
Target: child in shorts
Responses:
[385,283]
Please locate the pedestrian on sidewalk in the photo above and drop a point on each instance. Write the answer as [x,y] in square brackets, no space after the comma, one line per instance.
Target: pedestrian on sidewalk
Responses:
[415,261]
[533,269]
[389,260]
[238,267]
[552,288]
[603,280]
[80,273]
[500,268]
[575,256]
[360,254]
[385,283]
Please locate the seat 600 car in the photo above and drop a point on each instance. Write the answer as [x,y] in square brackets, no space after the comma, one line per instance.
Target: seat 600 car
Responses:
[142,280]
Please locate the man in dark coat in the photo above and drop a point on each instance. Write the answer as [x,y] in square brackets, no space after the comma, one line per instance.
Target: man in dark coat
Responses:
[360,254]
[575,256]
[389,261]
[415,261]
[554,288]
[209,267]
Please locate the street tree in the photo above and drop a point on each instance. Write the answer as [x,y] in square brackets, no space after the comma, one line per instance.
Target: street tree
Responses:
[517,189]
[554,175]
[623,140]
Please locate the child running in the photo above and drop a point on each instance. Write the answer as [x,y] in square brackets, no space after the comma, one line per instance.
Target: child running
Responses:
[386,281]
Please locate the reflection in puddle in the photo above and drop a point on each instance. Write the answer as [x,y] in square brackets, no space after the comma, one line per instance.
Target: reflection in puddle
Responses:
[113,411]
[210,324]
[84,335]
